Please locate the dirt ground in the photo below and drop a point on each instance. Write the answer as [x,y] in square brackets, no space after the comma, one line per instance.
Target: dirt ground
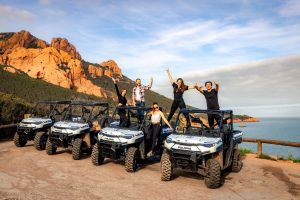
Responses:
[26,173]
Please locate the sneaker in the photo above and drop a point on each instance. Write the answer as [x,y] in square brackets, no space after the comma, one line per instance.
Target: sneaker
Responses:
[149,154]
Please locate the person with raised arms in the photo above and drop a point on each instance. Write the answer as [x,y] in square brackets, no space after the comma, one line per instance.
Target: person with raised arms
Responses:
[178,89]
[211,96]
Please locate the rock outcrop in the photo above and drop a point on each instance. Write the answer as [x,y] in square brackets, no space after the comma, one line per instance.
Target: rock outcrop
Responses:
[95,71]
[111,68]
[52,65]
[66,46]
[58,63]
[9,41]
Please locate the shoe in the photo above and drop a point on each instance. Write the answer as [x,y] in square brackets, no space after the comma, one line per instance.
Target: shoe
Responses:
[149,154]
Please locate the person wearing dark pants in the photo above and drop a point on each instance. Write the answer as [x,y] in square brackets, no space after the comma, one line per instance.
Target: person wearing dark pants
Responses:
[178,89]
[122,101]
[156,119]
[138,95]
[211,96]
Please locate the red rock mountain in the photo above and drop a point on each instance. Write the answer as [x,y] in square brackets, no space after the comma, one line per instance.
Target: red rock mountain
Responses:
[58,63]
[65,45]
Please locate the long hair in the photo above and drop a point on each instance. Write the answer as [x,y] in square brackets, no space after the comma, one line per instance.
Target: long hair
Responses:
[182,87]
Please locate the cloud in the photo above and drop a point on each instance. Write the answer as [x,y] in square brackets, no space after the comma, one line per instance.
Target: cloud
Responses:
[9,12]
[290,8]
[44,2]
[261,88]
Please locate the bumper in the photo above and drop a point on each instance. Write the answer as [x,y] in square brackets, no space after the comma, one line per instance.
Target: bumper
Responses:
[112,150]
[186,160]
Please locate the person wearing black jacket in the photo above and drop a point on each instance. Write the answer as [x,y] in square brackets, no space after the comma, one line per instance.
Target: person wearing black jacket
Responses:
[122,101]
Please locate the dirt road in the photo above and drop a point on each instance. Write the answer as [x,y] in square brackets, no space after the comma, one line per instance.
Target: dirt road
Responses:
[26,173]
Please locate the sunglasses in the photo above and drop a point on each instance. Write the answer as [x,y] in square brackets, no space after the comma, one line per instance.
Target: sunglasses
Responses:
[155,107]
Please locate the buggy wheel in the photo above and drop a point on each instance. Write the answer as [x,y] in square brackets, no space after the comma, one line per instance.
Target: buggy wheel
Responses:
[166,167]
[40,140]
[237,163]
[131,159]
[97,159]
[20,140]
[77,149]
[213,176]
[50,148]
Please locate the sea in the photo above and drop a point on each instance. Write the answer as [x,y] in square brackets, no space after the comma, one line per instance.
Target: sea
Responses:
[287,129]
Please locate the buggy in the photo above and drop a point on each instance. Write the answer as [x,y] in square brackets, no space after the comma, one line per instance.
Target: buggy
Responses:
[127,141]
[35,126]
[76,131]
[196,147]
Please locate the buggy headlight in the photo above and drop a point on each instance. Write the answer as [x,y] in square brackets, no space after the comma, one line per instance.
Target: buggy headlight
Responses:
[74,127]
[208,145]
[127,136]
[169,140]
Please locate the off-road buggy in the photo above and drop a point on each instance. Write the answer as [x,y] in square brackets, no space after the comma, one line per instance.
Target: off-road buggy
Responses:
[36,124]
[196,147]
[81,122]
[127,141]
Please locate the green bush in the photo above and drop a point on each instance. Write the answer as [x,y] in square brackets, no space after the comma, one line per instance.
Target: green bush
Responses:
[12,108]
[244,151]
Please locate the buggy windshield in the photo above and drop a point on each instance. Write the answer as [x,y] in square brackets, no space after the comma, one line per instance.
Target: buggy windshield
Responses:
[50,109]
[196,122]
[84,112]
[130,117]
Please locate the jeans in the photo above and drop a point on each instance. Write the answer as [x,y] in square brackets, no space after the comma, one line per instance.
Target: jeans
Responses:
[155,135]
[176,104]
[140,112]
[212,118]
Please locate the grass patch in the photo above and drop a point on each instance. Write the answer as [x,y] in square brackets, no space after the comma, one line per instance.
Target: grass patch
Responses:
[267,157]
[244,151]
[290,157]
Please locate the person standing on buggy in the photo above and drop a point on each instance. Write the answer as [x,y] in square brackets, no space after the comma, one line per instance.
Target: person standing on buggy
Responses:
[211,96]
[156,121]
[138,95]
[122,101]
[178,89]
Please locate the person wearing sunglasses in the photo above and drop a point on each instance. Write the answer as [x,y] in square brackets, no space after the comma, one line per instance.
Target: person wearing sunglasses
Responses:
[156,118]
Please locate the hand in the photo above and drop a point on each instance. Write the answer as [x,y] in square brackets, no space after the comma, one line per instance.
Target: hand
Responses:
[168,70]
[216,83]
[151,79]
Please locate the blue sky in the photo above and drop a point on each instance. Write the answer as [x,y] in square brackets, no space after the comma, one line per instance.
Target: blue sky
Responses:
[206,38]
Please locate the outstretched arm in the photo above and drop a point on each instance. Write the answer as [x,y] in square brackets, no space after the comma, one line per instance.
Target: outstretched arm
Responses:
[116,86]
[199,88]
[192,87]
[165,120]
[170,76]
[217,85]
[148,87]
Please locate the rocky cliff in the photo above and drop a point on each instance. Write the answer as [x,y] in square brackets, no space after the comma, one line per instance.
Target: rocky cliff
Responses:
[58,63]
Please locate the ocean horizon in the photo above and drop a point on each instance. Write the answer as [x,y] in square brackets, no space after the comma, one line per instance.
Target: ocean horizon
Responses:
[276,128]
